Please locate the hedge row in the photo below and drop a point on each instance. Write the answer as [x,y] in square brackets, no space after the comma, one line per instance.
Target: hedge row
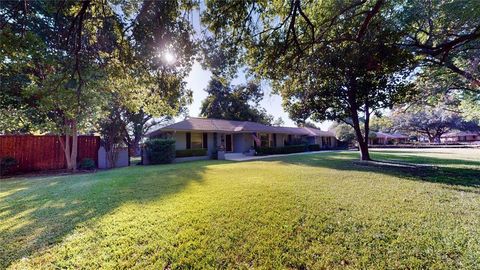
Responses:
[191,152]
[289,149]
[314,147]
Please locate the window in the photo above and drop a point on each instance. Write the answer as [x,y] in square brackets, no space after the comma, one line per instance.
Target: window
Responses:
[196,140]
[326,141]
[264,140]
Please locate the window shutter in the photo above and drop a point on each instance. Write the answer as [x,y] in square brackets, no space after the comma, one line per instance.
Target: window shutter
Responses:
[189,140]
[274,140]
[205,140]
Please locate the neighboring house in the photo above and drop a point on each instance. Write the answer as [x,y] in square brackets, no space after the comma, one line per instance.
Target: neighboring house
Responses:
[238,136]
[460,136]
[387,138]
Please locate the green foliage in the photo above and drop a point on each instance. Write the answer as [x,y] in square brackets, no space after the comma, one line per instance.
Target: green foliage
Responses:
[61,62]
[344,133]
[313,147]
[327,61]
[160,151]
[289,149]
[451,46]
[382,124]
[7,163]
[87,164]
[234,103]
[470,107]
[191,152]
[112,127]
[431,122]
[278,122]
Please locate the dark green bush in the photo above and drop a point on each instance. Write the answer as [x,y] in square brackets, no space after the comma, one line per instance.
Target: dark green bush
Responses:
[87,164]
[191,152]
[281,150]
[160,151]
[314,147]
[6,163]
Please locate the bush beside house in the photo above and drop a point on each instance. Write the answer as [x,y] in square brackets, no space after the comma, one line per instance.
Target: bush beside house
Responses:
[191,153]
[160,151]
[87,164]
[314,147]
[289,149]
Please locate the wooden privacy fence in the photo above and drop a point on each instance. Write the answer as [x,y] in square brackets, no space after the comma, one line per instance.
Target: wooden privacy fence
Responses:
[35,153]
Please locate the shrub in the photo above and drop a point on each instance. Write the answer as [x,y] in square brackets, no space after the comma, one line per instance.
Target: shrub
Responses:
[160,151]
[87,164]
[343,145]
[314,147]
[6,163]
[281,150]
[191,152]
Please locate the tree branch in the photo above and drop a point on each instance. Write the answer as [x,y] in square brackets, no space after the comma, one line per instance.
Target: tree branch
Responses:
[368,19]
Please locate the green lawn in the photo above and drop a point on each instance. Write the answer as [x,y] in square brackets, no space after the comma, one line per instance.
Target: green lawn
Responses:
[312,211]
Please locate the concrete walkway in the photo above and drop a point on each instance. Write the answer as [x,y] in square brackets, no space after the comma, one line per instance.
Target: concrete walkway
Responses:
[242,157]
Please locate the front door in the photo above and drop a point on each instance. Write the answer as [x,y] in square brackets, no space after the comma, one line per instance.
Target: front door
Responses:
[228,142]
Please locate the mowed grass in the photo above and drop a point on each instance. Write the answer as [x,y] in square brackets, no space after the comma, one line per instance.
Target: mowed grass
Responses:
[304,212]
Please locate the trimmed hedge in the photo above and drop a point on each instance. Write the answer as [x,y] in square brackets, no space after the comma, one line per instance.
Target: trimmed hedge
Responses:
[314,147]
[191,152]
[160,151]
[289,149]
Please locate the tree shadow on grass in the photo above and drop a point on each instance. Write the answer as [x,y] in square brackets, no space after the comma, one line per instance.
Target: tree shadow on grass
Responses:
[463,174]
[37,213]
[413,151]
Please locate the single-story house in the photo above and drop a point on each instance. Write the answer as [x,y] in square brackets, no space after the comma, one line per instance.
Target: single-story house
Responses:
[238,136]
[460,136]
[387,138]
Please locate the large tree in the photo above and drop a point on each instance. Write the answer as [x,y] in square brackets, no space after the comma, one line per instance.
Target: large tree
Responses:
[431,122]
[329,60]
[239,102]
[444,34]
[137,125]
[345,59]
[75,54]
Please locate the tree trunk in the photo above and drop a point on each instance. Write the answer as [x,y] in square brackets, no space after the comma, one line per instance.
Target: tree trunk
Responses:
[364,153]
[73,155]
[66,150]
[70,149]
[136,144]
[362,141]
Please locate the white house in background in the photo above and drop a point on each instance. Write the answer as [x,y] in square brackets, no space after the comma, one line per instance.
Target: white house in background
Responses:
[460,136]
[238,136]
[387,138]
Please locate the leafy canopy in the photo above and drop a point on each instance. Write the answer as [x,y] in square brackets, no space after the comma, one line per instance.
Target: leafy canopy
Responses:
[239,102]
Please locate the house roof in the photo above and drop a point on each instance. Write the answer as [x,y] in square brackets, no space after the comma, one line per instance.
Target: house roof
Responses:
[220,125]
[390,136]
[460,133]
